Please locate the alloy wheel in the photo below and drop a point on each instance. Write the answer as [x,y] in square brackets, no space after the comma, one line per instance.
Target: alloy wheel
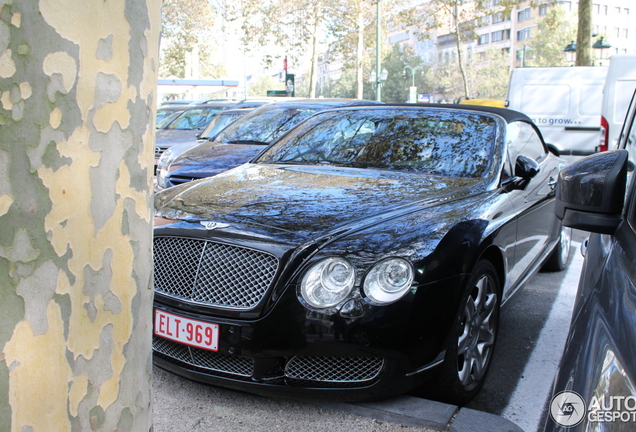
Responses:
[479,327]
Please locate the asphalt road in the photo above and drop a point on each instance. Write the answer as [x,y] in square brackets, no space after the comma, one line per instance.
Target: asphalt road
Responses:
[534,324]
[185,406]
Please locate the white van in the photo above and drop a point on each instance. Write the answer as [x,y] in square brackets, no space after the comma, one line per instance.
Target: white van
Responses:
[564,102]
[619,88]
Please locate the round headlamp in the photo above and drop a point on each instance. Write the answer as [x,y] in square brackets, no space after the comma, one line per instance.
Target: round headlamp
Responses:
[328,282]
[388,281]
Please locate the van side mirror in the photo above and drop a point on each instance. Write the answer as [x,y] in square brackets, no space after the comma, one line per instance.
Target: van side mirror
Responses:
[525,167]
[591,192]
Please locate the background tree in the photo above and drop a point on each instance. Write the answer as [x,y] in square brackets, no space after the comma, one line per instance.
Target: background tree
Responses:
[489,78]
[555,30]
[352,25]
[458,20]
[294,26]
[264,83]
[396,88]
[584,34]
[188,28]
[78,92]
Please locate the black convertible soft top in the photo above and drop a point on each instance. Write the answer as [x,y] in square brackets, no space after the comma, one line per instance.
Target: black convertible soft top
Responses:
[508,114]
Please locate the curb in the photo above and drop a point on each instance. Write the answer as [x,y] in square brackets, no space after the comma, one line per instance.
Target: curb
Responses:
[416,412]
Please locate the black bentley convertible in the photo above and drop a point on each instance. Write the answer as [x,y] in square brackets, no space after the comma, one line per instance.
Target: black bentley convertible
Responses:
[366,252]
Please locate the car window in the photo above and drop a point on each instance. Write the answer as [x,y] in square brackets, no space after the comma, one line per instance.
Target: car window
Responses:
[456,144]
[522,139]
[265,127]
[218,123]
[195,118]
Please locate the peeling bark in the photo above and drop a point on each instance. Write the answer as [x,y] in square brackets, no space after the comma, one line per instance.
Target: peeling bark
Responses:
[77,103]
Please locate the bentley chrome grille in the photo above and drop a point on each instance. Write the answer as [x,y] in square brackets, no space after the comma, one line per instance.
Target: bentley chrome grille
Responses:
[210,360]
[334,369]
[212,273]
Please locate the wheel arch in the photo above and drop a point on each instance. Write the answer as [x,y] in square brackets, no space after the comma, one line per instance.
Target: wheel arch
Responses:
[493,254]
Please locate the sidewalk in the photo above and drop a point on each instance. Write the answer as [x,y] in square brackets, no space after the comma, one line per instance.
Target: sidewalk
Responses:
[417,412]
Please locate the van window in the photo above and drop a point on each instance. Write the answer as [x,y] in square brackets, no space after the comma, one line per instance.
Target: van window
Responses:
[523,140]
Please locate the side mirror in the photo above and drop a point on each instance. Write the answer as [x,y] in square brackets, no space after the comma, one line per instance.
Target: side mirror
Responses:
[525,167]
[591,192]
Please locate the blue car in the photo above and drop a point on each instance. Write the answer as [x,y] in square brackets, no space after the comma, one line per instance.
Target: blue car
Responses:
[243,139]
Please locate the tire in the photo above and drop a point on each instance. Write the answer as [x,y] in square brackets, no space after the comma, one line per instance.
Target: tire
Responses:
[558,259]
[472,339]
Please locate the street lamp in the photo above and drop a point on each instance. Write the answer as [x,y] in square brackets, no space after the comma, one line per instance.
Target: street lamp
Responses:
[522,54]
[378,80]
[570,53]
[413,70]
[413,89]
[600,46]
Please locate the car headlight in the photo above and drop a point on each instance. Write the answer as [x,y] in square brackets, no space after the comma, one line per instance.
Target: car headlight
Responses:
[388,280]
[328,282]
[162,167]
[165,159]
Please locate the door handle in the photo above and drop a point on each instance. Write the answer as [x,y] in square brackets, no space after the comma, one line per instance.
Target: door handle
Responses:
[552,183]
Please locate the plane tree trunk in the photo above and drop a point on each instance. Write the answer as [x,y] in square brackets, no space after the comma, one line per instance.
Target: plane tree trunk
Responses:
[77,98]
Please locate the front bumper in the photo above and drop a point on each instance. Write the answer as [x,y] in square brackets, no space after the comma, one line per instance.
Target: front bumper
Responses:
[318,362]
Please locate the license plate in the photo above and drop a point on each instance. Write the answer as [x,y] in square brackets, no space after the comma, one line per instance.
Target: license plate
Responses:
[187,331]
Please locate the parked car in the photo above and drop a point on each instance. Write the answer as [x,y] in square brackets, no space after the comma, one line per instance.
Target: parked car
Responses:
[367,250]
[216,125]
[243,140]
[595,387]
[187,127]
[168,113]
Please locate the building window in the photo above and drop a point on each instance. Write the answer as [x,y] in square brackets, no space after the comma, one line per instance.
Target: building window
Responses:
[484,39]
[498,17]
[543,9]
[566,5]
[596,9]
[523,34]
[626,33]
[500,35]
[484,21]
[524,14]
[626,11]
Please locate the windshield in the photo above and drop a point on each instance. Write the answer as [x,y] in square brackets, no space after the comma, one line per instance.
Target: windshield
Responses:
[218,123]
[443,142]
[194,118]
[265,127]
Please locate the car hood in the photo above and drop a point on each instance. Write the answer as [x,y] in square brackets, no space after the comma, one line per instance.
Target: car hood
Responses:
[308,201]
[210,158]
[169,137]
